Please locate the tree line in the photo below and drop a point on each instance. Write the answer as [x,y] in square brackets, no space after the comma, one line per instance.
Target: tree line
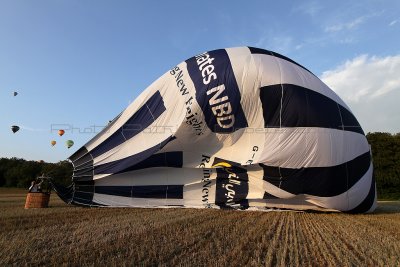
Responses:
[386,158]
[16,172]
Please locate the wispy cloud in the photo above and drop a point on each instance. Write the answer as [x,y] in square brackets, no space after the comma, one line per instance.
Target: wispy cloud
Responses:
[345,26]
[348,40]
[311,8]
[393,22]
[370,85]
[28,128]
[352,24]
[365,77]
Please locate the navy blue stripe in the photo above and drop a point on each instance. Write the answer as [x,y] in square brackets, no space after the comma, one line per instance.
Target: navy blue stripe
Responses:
[302,107]
[127,163]
[232,163]
[83,198]
[269,196]
[83,165]
[167,159]
[83,193]
[88,171]
[217,91]
[85,189]
[146,191]
[319,181]
[367,203]
[85,162]
[78,154]
[232,186]
[142,119]
[350,122]
[255,50]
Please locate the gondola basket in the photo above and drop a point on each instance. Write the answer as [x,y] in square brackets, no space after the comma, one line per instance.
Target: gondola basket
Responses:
[37,200]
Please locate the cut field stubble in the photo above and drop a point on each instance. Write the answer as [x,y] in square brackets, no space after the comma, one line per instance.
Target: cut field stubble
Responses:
[75,236]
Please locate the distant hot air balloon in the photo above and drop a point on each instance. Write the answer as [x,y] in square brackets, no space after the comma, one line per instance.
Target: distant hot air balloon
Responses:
[69,143]
[15,93]
[53,143]
[61,132]
[15,128]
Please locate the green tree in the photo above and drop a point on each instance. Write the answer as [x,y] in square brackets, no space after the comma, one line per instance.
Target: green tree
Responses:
[386,158]
[15,172]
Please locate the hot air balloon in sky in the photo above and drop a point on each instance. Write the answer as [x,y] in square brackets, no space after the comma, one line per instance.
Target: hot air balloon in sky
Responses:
[232,128]
[69,143]
[14,128]
[53,143]
[61,132]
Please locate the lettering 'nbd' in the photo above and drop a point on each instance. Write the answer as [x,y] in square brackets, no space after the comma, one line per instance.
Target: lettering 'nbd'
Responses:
[217,91]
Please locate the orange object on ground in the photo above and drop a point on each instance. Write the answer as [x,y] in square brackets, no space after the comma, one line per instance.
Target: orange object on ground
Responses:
[37,200]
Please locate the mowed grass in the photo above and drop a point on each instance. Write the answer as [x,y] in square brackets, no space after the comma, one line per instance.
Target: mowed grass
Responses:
[77,236]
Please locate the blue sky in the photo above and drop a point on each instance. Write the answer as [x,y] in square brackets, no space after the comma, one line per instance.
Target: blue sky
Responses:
[77,64]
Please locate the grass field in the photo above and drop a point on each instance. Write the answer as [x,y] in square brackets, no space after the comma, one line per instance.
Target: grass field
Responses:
[75,236]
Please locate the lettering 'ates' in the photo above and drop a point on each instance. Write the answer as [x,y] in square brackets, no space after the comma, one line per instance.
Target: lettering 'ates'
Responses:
[207,69]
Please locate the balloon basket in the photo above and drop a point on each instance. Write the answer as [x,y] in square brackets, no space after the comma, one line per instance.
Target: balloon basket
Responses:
[37,200]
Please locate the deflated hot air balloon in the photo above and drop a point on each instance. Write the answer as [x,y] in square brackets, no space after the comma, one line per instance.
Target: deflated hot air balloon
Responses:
[232,128]
[61,132]
[53,143]
[69,143]
[14,128]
